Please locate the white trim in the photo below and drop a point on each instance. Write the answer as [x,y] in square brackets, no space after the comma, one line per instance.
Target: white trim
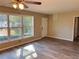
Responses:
[33,26]
[61,38]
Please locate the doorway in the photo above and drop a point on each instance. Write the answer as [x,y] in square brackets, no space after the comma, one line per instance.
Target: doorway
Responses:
[44,26]
[76,29]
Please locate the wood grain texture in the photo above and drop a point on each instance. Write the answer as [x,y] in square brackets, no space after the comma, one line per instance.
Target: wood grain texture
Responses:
[47,48]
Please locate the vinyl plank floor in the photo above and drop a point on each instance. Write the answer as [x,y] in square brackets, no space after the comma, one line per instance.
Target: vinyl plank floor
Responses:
[46,48]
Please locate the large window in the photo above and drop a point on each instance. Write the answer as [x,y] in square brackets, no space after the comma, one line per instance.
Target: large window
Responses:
[15,26]
[28,25]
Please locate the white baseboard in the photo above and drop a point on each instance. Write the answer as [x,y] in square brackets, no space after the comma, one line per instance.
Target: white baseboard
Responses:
[61,38]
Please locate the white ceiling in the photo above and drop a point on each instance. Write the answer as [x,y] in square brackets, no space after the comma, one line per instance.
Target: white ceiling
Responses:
[49,6]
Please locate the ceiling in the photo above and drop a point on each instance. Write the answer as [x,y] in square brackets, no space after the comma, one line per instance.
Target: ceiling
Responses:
[49,6]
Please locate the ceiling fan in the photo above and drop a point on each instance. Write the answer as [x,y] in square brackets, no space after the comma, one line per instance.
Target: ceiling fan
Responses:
[21,4]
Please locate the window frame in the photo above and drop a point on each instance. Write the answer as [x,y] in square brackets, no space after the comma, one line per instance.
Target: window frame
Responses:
[31,26]
[22,26]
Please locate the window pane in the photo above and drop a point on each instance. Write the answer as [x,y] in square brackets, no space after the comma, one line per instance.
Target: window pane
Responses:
[15,21]
[3,34]
[3,21]
[15,32]
[28,31]
[28,25]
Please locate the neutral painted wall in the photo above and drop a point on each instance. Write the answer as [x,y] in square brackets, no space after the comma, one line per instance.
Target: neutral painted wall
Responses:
[61,25]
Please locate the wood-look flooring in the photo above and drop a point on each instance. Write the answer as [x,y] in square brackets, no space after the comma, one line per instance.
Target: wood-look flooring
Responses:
[46,48]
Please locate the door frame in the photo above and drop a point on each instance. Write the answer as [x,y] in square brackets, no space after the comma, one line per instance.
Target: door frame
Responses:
[46,20]
[75,29]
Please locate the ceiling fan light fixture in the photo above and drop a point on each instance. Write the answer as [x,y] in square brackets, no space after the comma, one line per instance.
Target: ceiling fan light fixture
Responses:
[21,6]
[15,6]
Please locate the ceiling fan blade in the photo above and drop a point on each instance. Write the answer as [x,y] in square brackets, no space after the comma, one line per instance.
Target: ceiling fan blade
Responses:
[33,2]
[25,5]
[10,3]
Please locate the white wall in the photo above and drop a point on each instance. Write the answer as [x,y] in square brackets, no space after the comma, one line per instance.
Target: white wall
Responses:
[61,25]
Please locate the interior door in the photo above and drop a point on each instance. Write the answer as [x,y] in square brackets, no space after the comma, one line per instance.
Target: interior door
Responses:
[44,26]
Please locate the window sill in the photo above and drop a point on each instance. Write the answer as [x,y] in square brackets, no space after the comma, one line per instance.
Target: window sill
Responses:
[1,42]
